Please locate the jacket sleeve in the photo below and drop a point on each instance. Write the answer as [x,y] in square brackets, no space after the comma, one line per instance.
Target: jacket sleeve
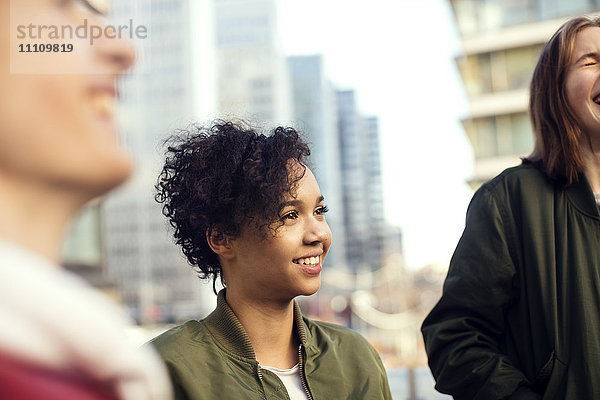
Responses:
[373,363]
[386,393]
[179,392]
[463,331]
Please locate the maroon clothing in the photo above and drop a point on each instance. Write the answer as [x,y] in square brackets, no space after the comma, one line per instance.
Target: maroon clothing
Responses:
[22,381]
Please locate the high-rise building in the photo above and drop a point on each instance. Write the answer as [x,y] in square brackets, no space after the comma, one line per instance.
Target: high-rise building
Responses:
[352,164]
[253,81]
[501,43]
[378,230]
[314,114]
[170,87]
[362,194]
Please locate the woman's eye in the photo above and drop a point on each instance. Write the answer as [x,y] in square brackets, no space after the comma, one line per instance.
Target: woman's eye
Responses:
[321,210]
[290,215]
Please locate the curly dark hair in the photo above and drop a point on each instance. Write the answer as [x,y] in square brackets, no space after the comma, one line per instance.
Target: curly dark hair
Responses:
[218,177]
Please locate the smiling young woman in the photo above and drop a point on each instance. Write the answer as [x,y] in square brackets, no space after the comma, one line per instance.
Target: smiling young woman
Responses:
[247,210]
[520,311]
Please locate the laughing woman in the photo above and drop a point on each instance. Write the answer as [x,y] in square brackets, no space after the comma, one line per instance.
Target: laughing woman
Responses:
[59,337]
[248,211]
[520,311]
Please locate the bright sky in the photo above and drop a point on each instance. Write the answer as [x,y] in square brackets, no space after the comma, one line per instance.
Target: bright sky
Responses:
[399,57]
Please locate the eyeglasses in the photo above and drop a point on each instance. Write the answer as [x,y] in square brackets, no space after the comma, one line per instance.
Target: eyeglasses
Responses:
[99,6]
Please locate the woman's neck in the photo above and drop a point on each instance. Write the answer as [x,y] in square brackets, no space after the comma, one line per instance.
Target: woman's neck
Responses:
[35,217]
[270,327]
[591,160]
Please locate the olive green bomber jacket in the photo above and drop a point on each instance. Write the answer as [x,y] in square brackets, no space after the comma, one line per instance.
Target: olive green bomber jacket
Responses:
[519,316]
[214,359]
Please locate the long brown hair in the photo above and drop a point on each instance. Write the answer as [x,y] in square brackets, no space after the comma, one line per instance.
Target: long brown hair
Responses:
[558,136]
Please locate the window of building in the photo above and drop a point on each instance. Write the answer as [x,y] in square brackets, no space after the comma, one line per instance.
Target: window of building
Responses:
[499,71]
[518,12]
[483,16]
[520,63]
[559,8]
[466,16]
[487,144]
[501,135]
[476,74]
[522,135]
[482,134]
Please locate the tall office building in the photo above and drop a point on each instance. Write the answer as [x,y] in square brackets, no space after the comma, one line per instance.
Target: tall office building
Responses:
[377,241]
[314,114]
[171,85]
[253,80]
[501,43]
[361,185]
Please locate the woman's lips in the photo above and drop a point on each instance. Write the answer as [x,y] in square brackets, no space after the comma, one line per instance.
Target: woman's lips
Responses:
[103,105]
[311,269]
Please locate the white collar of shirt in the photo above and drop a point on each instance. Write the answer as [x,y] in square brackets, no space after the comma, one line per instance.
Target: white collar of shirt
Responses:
[291,380]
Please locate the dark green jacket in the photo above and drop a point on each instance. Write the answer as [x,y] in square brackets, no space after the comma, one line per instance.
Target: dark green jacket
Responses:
[213,359]
[519,316]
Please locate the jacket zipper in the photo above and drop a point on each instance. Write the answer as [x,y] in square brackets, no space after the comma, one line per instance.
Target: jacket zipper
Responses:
[302,379]
[260,378]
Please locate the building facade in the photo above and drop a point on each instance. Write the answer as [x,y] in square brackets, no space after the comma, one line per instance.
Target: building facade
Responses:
[253,80]
[362,194]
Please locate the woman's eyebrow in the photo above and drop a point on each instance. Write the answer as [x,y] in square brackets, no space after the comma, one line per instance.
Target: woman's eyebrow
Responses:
[297,202]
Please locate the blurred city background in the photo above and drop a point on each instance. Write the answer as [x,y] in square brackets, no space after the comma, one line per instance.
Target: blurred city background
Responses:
[409,106]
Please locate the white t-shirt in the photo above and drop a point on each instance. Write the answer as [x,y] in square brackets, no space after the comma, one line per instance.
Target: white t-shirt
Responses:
[291,380]
[52,318]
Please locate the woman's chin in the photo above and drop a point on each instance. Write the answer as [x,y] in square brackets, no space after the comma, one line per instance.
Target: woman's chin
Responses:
[312,289]
[100,181]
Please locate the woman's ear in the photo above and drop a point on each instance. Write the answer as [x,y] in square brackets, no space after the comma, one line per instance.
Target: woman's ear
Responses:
[219,243]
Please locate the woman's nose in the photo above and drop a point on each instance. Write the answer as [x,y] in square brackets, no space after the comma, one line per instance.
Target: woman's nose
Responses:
[318,232]
[117,52]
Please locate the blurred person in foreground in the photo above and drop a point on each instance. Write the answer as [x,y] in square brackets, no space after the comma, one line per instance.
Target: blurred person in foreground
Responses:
[59,338]
[248,211]
[519,316]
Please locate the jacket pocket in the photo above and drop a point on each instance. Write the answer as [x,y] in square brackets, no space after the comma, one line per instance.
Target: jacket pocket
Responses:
[550,378]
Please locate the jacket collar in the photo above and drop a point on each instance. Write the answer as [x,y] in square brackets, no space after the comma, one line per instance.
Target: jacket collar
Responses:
[227,329]
[582,196]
